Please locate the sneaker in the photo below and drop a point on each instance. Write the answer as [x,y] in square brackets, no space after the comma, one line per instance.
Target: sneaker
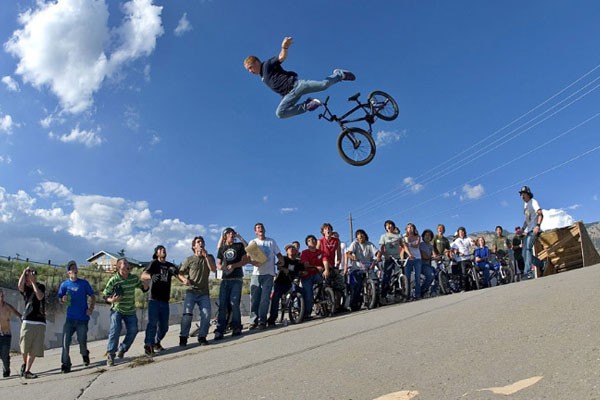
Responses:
[6,374]
[236,332]
[148,350]
[312,104]
[86,359]
[30,375]
[252,326]
[120,354]
[262,326]
[157,348]
[22,371]
[270,323]
[65,369]
[202,340]
[346,75]
[183,341]
[218,336]
[110,359]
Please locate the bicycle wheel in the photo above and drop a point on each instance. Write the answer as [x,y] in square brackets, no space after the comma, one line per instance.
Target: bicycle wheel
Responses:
[443,282]
[328,304]
[383,105]
[296,308]
[404,289]
[356,146]
[507,275]
[370,294]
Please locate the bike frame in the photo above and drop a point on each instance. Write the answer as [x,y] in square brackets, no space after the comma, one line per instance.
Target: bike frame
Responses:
[369,117]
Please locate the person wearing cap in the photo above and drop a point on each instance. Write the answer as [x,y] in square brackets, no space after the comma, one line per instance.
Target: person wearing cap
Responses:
[291,267]
[231,257]
[517,246]
[159,273]
[532,229]
[194,273]
[33,327]
[74,293]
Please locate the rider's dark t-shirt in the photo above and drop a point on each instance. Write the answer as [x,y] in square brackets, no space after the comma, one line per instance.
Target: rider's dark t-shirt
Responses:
[275,77]
[231,254]
[35,310]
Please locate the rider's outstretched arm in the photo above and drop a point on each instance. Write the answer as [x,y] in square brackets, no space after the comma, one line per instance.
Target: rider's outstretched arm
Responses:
[287,42]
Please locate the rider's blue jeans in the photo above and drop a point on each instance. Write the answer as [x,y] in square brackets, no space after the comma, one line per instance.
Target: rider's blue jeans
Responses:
[260,297]
[414,263]
[485,267]
[308,291]
[356,278]
[288,107]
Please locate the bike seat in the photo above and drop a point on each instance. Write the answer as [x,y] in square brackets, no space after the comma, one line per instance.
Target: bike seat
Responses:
[354,98]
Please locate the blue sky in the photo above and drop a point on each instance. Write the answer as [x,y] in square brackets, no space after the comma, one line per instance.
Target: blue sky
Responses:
[127,124]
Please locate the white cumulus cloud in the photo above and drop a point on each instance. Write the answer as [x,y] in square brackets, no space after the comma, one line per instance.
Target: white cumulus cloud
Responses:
[89,138]
[384,138]
[183,26]
[10,83]
[556,218]
[68,46]
[6,124]
[414,187]
[472,192]
[287,210]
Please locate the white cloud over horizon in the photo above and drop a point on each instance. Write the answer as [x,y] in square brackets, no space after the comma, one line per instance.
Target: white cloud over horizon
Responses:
[63,223]
[556,218]
[91,51]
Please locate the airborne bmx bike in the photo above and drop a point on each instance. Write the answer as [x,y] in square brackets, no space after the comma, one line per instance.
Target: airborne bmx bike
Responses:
[355,145]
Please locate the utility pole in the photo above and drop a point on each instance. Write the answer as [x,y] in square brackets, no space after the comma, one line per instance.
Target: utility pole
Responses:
[351,228]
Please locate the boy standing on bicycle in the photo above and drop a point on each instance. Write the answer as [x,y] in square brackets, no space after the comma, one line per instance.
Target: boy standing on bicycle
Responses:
[287,84]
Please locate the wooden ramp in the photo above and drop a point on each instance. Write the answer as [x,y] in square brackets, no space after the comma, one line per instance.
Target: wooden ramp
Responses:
[566,248]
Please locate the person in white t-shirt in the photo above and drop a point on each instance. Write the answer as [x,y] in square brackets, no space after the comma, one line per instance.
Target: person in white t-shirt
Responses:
[463,248]
[532,229]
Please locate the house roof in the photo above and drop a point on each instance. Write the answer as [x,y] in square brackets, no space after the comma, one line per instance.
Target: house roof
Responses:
[116,256]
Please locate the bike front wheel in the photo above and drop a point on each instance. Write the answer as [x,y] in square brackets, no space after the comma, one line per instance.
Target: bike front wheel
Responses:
[356,146]
[383,105]
[296,308]
[370,294]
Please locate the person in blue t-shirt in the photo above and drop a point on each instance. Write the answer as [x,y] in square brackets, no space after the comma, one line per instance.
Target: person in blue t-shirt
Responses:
[287,84]
[74,293]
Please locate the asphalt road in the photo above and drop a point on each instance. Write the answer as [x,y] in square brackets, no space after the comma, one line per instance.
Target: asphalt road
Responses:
[537,339]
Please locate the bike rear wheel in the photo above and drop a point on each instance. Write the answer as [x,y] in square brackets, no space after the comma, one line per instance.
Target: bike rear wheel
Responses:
[356,146]
[507,275]
[383,105]
[404,289]
[296,307]
[443,281]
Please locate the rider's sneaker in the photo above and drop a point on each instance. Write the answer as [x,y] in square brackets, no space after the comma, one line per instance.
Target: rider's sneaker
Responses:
[312,104]
[346,75]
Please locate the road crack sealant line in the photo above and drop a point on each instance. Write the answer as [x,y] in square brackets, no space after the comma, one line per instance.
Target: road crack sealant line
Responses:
[283,356]
[90,383]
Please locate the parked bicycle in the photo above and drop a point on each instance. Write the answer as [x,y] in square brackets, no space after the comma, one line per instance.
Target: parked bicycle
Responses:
[369,291]
[355,145]
[324,299]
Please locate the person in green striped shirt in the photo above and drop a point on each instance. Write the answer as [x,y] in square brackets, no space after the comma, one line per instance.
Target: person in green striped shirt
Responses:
[120,293]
